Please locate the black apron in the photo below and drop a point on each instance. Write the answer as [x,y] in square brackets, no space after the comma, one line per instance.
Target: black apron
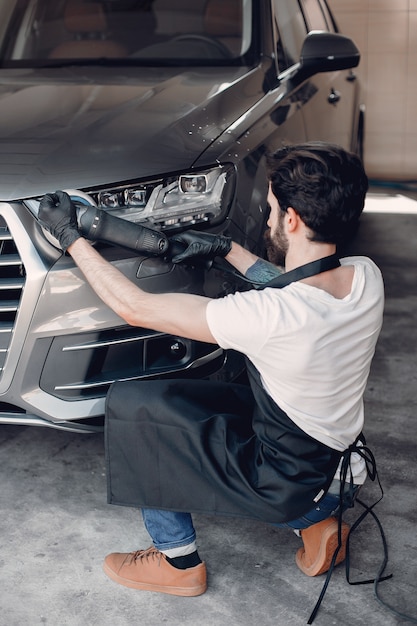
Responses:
[213,447]
[209,447]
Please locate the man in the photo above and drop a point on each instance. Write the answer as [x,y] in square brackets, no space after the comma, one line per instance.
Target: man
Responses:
[280,450]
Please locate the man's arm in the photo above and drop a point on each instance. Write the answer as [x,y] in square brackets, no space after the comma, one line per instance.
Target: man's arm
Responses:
[208,245]
[240,258]
[173,313]
[254,268]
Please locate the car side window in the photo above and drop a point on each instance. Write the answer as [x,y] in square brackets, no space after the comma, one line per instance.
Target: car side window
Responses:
[315,16]
[292,29]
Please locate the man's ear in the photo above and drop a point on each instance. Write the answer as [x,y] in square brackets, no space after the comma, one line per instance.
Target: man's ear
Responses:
[293,219]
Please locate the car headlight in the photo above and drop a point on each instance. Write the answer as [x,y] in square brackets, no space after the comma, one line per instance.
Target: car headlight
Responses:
[172,202]
[167,203]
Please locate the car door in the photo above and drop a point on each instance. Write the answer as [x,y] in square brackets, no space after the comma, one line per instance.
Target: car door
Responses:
[330,113]
[328,100]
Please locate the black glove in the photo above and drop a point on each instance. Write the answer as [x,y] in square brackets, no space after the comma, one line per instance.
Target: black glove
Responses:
[199,244]
[58,214]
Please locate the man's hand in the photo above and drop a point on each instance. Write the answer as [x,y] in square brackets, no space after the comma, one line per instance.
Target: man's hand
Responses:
[57,213]
[199,244]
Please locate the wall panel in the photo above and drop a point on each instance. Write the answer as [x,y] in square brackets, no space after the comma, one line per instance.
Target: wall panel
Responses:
[386,33]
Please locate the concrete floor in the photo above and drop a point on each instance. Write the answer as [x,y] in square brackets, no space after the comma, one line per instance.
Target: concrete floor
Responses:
[56,527]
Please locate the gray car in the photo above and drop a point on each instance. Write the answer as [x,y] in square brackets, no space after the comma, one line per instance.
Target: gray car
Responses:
[160,113]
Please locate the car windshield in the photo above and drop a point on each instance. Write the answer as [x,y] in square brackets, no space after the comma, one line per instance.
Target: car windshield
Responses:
[139,32]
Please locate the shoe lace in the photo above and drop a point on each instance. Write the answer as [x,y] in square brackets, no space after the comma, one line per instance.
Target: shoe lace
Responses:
[150,554]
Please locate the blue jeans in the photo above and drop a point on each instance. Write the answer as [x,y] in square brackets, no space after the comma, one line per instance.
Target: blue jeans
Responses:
[328,506]
[168,529]
[173,530]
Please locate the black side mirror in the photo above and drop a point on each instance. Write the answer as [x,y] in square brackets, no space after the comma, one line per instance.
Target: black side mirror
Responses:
[326,52]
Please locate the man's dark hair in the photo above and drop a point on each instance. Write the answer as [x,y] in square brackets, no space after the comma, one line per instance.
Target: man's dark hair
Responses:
[324,184]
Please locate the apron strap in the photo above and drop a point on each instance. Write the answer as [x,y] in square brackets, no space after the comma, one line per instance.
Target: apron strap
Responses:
[304,271]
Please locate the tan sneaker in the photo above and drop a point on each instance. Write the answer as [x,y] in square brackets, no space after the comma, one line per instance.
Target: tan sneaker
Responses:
[320,542]
[149,570]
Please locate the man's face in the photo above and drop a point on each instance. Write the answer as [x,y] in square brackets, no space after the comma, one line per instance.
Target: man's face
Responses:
[276,241]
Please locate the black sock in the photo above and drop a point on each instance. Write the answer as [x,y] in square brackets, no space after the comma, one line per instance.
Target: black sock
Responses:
[184,562]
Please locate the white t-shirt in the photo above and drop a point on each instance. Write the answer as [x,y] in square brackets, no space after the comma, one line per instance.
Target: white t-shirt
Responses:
[313,351]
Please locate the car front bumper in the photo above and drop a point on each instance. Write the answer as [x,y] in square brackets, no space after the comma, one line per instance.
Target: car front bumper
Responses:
[61,347]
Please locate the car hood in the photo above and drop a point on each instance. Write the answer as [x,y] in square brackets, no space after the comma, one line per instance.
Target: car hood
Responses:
[79,128]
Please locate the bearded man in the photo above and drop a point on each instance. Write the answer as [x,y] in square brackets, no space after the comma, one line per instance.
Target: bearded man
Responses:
[279,450]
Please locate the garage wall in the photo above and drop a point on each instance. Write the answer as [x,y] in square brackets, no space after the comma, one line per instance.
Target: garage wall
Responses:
[385,31]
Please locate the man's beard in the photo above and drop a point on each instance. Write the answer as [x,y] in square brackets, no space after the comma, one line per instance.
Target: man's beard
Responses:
[276,246]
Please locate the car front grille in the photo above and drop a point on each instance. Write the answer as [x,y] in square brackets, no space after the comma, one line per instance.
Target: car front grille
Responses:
[12,281]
